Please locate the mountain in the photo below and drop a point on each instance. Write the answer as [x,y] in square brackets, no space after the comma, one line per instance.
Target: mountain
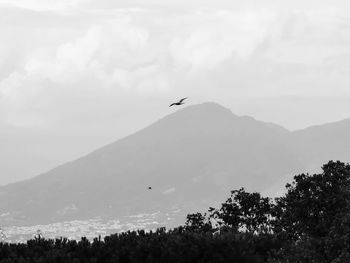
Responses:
[319,144]
[191,159]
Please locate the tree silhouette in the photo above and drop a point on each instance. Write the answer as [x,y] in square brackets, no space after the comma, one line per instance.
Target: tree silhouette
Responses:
[310,223]
[312,202]
[197,222]
[244,211]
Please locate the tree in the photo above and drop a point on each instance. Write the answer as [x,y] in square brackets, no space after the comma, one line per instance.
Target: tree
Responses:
[244,211]
[197,221]
[313,202]
[337,241]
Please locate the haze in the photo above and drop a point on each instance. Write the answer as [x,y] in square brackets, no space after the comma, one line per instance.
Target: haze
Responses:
[75,75]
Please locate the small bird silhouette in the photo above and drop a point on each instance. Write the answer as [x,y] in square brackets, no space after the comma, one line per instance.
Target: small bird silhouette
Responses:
[149,188]
[178,103]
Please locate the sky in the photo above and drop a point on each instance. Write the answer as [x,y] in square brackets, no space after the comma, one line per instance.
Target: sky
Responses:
[78,74]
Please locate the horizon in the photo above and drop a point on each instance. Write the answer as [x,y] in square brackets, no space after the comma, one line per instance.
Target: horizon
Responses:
[180,108]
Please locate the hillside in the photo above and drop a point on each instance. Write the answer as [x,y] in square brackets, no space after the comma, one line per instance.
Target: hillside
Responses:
[191,159]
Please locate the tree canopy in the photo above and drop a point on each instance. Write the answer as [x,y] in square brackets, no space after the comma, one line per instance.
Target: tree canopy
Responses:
[309,223]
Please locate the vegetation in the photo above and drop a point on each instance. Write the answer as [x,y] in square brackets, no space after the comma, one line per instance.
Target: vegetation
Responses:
[310,223]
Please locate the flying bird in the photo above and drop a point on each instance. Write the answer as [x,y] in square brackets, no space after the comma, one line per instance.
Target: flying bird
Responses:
[149,188]
[178,103]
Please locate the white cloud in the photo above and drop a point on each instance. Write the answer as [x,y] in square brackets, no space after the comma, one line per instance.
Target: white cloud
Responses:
[205,53]
[80,52]
[69,61]
[309,37]
[208,39]
[169,191]
[44,5]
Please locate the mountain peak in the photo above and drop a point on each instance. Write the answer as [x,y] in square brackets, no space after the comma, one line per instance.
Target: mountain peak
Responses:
[204,117]
[208,107]
[204,112]
[191,158]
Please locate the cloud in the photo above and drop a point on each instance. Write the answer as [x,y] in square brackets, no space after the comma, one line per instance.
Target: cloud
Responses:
[151,52]
[169,191]
[309,37]
[43,5]
[215,37]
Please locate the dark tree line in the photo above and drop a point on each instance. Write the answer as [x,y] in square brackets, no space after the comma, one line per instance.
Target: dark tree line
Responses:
[310,223]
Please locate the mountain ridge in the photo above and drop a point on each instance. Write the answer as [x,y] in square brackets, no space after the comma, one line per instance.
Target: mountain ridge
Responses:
[192,158]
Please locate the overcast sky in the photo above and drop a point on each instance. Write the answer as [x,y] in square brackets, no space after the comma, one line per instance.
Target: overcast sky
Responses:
[77,74]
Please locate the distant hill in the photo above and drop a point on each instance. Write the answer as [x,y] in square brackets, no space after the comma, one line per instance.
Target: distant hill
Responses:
[191,159]
[317,145]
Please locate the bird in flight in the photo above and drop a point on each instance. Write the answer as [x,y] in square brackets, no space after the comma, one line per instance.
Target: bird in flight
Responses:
[149,188]
[178,103]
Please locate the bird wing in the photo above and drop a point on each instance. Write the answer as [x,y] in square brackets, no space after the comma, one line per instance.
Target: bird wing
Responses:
[182,99]
[172,104]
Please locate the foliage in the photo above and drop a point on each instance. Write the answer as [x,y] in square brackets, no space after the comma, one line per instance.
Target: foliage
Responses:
[313,202]
[315,216]
[197,222]
[244,211]
[178,245]
[310,223]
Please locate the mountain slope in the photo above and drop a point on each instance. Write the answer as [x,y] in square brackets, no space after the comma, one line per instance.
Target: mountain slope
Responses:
[191,159]
[321,143]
